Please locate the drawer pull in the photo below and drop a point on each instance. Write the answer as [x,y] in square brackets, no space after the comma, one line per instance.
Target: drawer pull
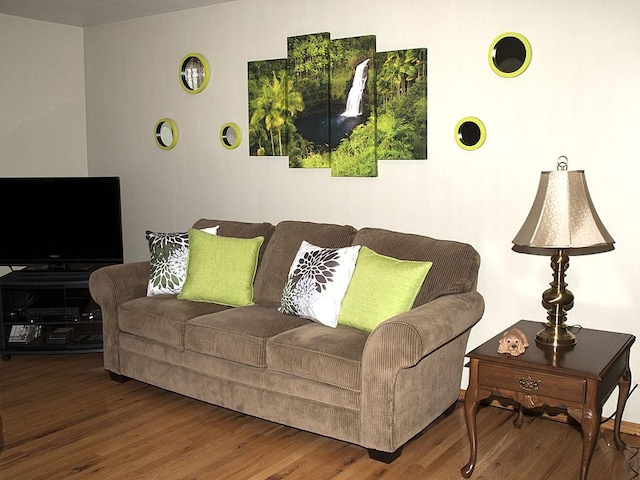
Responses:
[529,384]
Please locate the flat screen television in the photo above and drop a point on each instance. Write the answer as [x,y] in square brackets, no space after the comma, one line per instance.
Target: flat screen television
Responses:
[60,223]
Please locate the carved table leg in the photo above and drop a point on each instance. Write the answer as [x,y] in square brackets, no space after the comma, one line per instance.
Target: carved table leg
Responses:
[589,418]
[590,428]
[623,392]
[519,420]
[470,411]
[471,400]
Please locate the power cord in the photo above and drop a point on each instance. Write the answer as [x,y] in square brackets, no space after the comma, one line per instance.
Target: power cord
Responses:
[577,325]
[636,474]
[634,450]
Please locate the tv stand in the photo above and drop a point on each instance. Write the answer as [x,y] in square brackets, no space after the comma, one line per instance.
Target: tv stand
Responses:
[44,311]
[61,267]
[57,272]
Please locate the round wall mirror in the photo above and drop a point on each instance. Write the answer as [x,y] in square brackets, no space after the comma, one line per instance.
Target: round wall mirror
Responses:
[470,133]
[194,73]
[166,133]
[230,135]
[510,54]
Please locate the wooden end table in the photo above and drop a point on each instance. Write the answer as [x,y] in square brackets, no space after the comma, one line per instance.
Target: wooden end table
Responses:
[578,378]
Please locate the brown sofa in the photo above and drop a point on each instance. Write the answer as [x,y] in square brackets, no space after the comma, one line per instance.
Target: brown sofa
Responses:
[377,389]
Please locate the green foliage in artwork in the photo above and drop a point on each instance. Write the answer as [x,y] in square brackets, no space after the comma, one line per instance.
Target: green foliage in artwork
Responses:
[394,138]
[308,68]
[401,85]
[356,156]
[272,106]
[402,125]
[304,154]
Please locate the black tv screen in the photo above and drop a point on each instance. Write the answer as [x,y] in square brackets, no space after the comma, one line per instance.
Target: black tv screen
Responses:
[60,221]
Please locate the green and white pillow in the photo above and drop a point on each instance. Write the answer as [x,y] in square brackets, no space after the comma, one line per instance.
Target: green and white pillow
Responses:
[169,252]
[317,282]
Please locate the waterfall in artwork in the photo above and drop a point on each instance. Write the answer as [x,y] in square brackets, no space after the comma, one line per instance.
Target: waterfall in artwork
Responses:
[354,100]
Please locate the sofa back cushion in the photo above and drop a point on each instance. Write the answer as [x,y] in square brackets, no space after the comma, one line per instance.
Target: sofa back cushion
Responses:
[221,269]
[229,228]
[283,247]
[455,265]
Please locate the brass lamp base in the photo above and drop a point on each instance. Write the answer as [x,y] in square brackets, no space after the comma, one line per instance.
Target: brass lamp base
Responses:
[555,336]
[557,300]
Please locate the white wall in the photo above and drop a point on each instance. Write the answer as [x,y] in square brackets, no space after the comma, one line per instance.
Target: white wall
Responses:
[42,100]
[578,98]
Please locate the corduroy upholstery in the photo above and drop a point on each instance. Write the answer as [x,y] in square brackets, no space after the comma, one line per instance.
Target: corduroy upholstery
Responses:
[377,390]
[279,253]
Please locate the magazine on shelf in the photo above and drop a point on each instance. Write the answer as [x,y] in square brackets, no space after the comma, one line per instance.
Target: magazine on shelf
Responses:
[24,333]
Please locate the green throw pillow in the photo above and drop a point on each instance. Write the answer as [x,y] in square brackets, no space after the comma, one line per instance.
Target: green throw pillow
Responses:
[381,287]
[220,269]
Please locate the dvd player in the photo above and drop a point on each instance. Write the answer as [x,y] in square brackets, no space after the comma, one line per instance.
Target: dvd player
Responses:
[38,314]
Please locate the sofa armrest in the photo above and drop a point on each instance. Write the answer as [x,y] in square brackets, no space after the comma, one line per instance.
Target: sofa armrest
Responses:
[398,345]
[110,287]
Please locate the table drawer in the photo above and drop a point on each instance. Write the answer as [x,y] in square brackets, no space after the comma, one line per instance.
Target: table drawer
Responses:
[542,384]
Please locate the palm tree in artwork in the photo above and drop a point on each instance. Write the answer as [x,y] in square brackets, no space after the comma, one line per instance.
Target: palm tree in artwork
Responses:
[400,69]
[262,115]
[294,103]
[275,108]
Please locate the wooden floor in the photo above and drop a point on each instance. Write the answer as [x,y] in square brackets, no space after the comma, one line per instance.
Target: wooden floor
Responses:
[65,419]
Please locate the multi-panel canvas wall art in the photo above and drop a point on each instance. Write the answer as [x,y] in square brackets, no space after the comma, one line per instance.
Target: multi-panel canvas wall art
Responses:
[339,104]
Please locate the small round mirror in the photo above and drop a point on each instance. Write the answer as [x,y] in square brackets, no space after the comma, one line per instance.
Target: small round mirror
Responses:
[194,73]
[230,136]
[510,54]
[470,133]
[166,133]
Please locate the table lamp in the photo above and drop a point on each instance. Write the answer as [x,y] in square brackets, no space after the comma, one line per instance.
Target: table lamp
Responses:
[562,222]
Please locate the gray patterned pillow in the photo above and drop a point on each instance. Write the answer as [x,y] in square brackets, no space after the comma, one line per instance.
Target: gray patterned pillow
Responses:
[168,260]
[317,282]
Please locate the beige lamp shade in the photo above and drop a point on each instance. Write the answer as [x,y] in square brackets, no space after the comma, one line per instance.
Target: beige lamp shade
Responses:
[563,218]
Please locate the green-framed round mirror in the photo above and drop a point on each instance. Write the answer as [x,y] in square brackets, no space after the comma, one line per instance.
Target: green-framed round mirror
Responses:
[166,133]
[470,133]
[194,73]
[510,54]
[230,136]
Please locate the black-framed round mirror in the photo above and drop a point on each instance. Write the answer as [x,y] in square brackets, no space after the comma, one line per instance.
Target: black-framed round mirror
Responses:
[470,133]
[510,54]
[166,133]
[194,73]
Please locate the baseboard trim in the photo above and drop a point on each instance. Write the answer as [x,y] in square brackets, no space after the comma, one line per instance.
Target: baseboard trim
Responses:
[560,416]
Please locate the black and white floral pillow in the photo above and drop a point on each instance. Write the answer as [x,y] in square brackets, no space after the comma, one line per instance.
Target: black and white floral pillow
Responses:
[169,253]
[317,282]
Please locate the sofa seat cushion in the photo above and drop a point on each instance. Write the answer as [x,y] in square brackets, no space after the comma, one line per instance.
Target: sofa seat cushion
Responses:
[161,317]
[239,334]
[313,351]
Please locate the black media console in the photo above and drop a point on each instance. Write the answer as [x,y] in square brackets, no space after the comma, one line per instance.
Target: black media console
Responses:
[48,312]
